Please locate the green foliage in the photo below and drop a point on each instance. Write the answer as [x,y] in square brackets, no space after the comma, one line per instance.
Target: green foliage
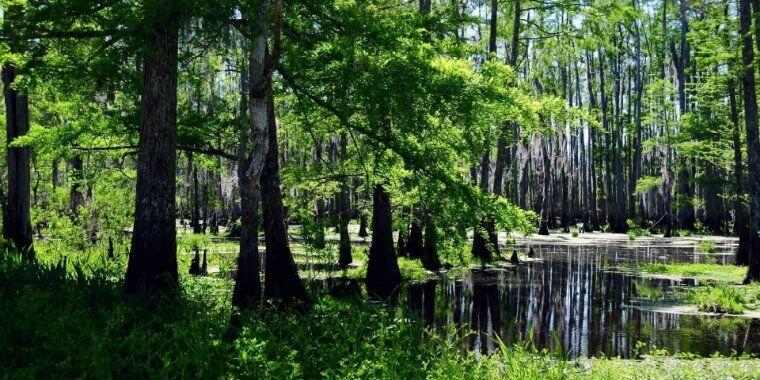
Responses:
[706,246]
[719,299]
[190,241]
[634,230]
[645,184]
[715,272]
[648,291]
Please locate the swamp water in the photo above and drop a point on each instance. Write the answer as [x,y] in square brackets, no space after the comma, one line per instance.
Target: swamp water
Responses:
[572,300]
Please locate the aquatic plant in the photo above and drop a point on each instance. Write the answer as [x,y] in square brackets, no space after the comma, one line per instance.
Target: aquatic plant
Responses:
[706,246]
[719,299]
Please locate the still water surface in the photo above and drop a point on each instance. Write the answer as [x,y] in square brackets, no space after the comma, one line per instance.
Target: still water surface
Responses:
[572,299]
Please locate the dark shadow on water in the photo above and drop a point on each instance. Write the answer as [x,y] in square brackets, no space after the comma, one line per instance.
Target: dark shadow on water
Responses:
[569,302]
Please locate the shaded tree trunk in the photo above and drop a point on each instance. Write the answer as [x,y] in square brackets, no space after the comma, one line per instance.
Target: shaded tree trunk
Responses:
[753,141]
[247,284]
[152,263]
[383,275]
[76,197]
[686,217]
[429,259]
[17,223]
[195,222]
[281,280]
[344,209]
[741,229]
[543,228]
[414,243]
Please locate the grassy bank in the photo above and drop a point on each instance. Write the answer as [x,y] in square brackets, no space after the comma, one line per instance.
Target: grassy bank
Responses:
[700,271]
[721,291]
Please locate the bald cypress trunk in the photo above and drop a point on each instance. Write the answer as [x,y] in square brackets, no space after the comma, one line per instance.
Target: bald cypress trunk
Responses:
[414,243]
[618,221]
[76,197]
[344,210]
[429,259]
[17,223]
[753,141]
[281,280]
[383,275]
[153,256]
[741,229]
[543,228]
[17,227]
[686,216]
[247,284]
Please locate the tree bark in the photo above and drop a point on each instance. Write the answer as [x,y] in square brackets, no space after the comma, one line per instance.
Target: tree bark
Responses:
[414,243]
[152,263]
[344,210]
[281,280]
[18,220]
[247,290]
[429,259]
[195,222]
[686,217]
[753,141]
[741,229]
[383,275]
[543,228]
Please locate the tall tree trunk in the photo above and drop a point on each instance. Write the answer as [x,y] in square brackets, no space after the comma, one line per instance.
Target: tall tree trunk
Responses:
[152,263]
[686,217]
[429,259]
[76,197]
[415,243]
[753,141]
[543,228]
[281,280]
[592,181]
[18,220]
[639,90]
[344,210]
[320,205]
[741,228]
[17,227]
[247,285]
[618,223]
[195,222]
[383,275]
[247,291]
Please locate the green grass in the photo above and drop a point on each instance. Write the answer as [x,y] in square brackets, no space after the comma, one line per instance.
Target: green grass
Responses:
[634,230]
[719,299]
[670,367]
[703,272]
[722,293]
[706,246]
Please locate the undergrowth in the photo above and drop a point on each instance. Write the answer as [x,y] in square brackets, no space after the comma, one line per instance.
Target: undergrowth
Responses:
[69,318]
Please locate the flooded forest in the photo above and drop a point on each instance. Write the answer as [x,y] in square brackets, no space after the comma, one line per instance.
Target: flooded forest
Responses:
[380,189]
